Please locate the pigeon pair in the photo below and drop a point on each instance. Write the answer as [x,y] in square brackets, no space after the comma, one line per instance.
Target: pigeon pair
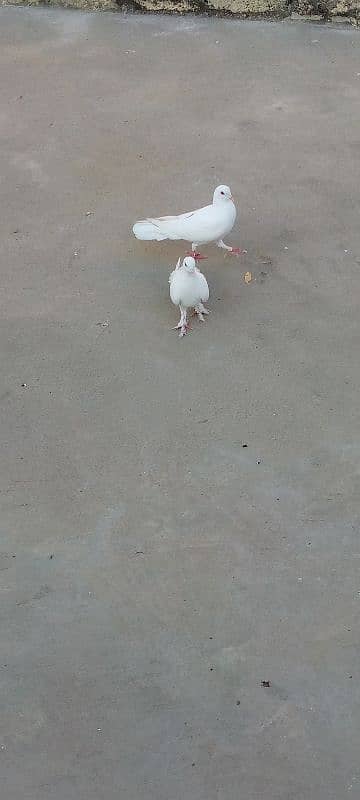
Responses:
[188,286]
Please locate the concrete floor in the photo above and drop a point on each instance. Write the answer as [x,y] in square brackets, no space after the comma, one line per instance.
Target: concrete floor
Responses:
[154,569]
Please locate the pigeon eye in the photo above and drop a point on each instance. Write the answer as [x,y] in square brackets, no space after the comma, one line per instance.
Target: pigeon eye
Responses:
[222,192]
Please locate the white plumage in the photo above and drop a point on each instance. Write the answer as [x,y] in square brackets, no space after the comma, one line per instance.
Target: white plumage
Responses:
[208,224]
[188,289]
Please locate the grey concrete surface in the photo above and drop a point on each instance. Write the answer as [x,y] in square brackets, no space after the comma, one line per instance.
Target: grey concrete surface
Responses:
[154,571]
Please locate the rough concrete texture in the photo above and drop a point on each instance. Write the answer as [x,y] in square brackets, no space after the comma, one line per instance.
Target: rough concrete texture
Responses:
[344,9]
[86,5]
[249,8]
[335,10]
[328,9]
[238,8]
[154,569]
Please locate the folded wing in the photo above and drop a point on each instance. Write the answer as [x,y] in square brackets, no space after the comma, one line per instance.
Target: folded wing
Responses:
[190,226]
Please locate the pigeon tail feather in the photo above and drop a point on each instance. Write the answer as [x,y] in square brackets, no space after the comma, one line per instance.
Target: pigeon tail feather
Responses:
[146,230]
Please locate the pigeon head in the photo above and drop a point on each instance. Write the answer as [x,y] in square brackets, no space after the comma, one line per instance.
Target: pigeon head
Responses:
[189,264]
[222,194]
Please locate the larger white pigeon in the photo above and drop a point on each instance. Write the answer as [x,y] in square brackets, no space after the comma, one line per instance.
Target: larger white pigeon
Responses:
[188,289]
[208,224]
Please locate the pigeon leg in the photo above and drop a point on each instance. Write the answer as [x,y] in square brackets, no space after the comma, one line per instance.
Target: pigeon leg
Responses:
[180,323]
[183,324]
[236,251]
[203,309]
[200,316]
[195,254]
[200,310]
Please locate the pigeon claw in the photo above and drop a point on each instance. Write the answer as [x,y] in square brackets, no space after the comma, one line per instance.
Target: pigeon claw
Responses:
[237,251]
[196,256]
[182,328]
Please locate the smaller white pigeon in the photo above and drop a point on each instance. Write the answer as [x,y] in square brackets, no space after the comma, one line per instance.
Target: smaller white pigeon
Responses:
[188,289]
